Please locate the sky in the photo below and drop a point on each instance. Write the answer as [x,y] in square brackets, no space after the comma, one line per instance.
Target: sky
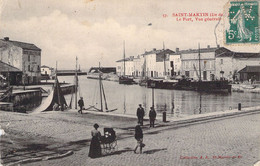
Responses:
[94,30]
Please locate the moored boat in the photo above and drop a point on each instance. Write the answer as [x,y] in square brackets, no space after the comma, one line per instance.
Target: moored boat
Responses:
[126,80]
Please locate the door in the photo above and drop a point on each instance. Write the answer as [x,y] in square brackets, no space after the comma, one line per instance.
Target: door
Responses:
[204,75]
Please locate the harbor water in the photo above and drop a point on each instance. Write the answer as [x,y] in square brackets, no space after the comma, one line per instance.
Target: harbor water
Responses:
[176,103]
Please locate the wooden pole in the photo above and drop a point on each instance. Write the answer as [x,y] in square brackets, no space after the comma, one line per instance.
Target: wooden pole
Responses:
[199,64]
[124,58]
[76,84]
[164,60]
[100,89]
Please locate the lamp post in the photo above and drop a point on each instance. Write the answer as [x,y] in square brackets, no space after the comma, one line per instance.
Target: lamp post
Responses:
[153,86]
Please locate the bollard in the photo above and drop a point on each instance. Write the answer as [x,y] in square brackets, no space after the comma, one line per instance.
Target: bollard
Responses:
[164,116]
[239,106]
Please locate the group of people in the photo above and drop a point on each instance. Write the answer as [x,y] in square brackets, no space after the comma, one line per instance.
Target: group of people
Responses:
[140,115]
[95,146]
[138,130]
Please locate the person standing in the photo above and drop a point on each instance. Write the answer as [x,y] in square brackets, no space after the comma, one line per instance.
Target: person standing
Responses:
[139,138]
[152,116]
[140,114]
[95,147]
[81,105]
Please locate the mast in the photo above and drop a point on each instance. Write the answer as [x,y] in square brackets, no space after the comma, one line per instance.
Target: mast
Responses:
[124,58]
[164,60]
[100,89]
[199,65]
[76,83]
[56,70]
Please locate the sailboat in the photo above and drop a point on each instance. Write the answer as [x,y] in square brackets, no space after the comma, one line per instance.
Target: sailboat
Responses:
[209,86]
[165,83]
[56,97]
[124,79]
[102,97]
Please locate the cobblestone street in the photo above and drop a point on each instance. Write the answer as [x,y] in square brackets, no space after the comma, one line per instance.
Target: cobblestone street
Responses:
[232,141]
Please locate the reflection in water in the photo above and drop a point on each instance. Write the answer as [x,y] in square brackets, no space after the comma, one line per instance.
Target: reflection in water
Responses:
[176,102]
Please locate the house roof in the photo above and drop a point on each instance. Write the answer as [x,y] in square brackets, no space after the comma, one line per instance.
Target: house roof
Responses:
[23,45]
[126,59]
[161,56]
[227,53]
[4,67]
[44,66]
[220,51]
[246,55]
[250,69]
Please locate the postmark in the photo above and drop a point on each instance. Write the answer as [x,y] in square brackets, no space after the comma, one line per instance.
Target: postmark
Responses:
[243,19]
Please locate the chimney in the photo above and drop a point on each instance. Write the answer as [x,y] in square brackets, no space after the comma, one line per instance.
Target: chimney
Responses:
[154,49]
[218,46]
[6,38]
[177,49]
[208,46]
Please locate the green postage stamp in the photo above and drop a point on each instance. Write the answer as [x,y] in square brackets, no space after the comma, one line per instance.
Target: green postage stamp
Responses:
[243,22]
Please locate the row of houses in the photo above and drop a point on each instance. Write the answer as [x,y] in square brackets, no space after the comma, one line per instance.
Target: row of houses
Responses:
[208,63]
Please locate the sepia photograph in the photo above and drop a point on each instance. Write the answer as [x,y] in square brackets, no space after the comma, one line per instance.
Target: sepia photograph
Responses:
[129,83]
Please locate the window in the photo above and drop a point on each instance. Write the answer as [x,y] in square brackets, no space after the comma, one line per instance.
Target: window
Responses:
[171,63]
[29,58]
[205,64]
[221,61]
[187,73]
[29,69]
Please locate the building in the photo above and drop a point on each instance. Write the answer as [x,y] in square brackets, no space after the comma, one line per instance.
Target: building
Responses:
[157,63]
[23,56]
[125,67]
[199,63]
[154,63]
[175,63]
[250,73]
[46,70]
[11,74]
[228,63]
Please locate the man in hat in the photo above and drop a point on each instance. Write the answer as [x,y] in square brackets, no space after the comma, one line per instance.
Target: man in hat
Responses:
[140,114]
[152,116]
[81,105]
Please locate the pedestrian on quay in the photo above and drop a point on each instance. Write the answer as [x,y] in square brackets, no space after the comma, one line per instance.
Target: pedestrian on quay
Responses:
[140,114]
[55,107]
[81,105]
[95,147]
[152,116]
[139,138]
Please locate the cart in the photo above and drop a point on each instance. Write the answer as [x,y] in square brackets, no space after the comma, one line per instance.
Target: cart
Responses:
[108,141]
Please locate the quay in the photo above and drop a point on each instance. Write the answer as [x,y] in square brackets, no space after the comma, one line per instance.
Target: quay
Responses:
[167,144]
[70,73]
[23,100]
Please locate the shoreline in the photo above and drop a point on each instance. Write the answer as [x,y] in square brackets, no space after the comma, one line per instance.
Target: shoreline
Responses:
[54,133]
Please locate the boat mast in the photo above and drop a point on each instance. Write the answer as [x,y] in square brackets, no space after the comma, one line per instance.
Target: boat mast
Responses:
[100,89]
[76,83]
[124,58]
[164,60]
[199,65]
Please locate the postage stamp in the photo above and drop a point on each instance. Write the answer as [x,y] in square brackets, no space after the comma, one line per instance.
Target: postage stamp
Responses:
[243,22]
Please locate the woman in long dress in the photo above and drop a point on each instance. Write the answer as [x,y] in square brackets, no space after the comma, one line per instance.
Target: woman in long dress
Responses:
[239,19]
[95,148]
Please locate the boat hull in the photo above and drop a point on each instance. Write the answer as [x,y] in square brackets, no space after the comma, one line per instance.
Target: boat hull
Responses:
[207,86]
[126,80]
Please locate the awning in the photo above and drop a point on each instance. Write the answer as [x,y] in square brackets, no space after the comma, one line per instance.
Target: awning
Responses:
[250,69]
[4,67]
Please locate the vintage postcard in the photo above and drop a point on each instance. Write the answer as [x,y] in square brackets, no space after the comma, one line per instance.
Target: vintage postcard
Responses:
[130,82]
